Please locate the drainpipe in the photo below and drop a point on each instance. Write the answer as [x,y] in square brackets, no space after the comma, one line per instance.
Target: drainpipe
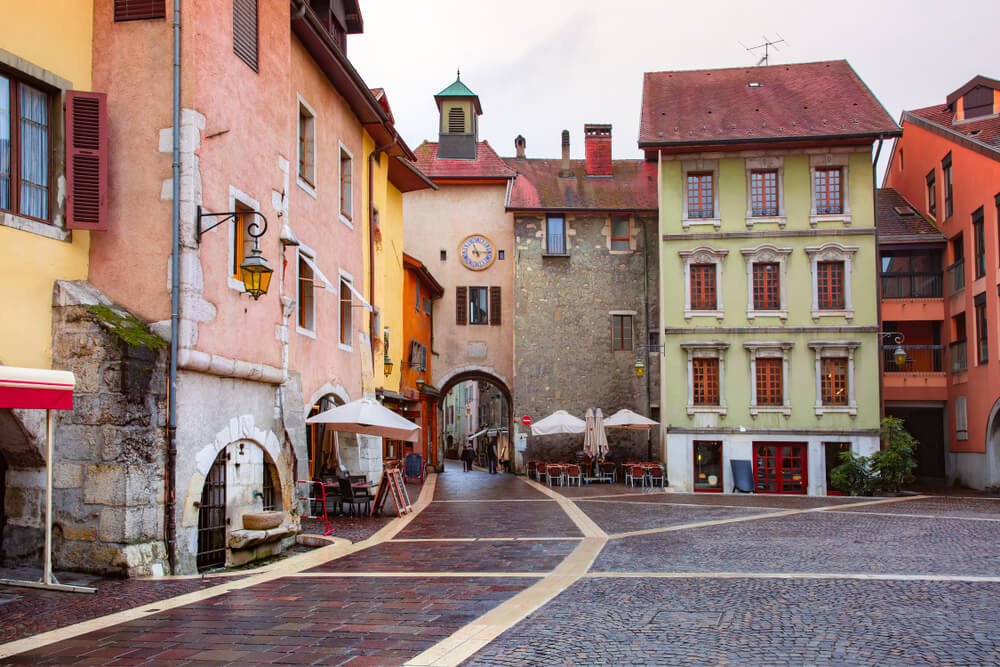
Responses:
[371,238]
[169,480]
[645,295]
[878,294]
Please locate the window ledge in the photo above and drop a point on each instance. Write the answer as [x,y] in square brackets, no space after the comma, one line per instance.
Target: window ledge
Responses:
[844,218]
[347,221]
[345,348]
[45,229]
[848,410]
[779,220]
[717,314]
[773,409]
[236,285]
[308,333]
[846,314]
[305,185]
[701,222]
[707,409]
[782,314]
[555,254]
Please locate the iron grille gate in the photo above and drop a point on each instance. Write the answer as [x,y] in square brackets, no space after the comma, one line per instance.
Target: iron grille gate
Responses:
[212,516]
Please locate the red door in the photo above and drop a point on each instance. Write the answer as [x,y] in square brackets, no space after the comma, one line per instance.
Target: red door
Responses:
[780,467]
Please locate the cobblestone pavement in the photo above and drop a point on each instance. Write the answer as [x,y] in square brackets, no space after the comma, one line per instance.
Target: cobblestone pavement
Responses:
[679,579]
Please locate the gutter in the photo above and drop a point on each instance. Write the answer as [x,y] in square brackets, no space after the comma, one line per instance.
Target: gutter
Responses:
[770,140]
[170,469]
[878,273]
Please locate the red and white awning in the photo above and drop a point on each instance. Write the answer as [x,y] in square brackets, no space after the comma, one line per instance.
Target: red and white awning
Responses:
[36,388]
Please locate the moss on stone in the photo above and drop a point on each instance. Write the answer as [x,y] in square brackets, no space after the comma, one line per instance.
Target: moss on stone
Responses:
[127,327]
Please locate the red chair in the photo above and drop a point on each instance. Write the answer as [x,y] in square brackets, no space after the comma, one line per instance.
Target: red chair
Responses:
[633,473]
[541,470]
[655,474]
[532,469]
[572,472]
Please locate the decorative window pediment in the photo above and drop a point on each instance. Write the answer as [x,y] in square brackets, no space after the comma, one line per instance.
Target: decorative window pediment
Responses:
[767,295]
[769,368]
[835,386]
[831,269]
[706,376]
[696,294]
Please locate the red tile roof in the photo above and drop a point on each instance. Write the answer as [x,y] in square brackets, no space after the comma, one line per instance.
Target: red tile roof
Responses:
[631,187]
[900,222]
[789,102]
[985,131]
[487,165]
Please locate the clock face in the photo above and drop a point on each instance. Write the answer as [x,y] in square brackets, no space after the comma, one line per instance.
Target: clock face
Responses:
[477,252]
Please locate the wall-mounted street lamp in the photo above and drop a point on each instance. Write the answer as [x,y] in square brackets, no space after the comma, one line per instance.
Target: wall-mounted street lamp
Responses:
[899,354]
[254,270]
[640,366]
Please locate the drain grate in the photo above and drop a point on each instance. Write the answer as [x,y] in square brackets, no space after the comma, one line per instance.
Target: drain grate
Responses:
[684,618]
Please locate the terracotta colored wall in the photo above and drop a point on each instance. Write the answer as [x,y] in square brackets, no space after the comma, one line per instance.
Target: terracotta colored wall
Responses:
[418,326]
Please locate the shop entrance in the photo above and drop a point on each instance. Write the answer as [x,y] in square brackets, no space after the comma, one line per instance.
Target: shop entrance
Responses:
[212,516]
[780,467]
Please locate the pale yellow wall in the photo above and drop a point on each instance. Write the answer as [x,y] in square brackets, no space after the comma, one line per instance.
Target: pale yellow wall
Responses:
[30,262]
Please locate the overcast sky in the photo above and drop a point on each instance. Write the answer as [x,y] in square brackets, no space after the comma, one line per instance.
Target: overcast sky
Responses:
[541,66]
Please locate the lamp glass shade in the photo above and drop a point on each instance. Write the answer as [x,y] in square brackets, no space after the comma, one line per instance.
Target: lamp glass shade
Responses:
[387,366]
[640,368]
[256,274]
[899,355]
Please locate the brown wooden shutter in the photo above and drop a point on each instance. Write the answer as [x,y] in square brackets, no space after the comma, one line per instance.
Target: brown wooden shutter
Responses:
[245,31]
[495,306]
[86,161]
[461,305]
[137,10]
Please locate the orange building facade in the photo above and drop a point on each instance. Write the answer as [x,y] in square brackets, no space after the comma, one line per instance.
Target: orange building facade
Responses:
[947,166]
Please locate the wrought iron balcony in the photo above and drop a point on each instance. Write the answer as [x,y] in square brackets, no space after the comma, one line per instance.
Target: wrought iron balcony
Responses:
[919,359]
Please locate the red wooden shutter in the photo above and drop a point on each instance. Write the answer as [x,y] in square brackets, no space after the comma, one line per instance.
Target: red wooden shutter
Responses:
[495,306]
[245,31]
[86,161]
[461,305]
[137,10]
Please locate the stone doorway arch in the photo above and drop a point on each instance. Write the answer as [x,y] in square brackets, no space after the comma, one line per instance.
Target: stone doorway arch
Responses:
[993,447]
[477,374]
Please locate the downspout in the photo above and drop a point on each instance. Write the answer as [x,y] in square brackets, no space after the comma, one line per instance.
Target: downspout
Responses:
[371,238]
[878,294]
[645,298]
[169,475]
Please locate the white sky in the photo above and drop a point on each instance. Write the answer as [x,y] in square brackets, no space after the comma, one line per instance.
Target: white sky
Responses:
[542,66]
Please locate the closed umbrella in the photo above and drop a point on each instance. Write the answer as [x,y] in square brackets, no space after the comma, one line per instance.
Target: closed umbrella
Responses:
[600,437]
[559,421]
[368,417]
[625,418]
[589,436]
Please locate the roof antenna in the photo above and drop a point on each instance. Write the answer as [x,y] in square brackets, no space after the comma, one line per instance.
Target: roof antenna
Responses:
[458,73]
[767,46]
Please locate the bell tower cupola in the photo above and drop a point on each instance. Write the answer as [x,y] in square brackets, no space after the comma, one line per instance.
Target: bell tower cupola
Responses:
[458,131]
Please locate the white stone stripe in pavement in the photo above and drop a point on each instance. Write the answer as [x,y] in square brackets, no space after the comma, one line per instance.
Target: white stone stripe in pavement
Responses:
[862,576]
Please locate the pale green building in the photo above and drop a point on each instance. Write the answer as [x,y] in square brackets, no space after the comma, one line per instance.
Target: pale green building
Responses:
[768,271]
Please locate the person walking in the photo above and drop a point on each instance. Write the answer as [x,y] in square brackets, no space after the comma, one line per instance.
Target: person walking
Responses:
[491,455]
[467,456]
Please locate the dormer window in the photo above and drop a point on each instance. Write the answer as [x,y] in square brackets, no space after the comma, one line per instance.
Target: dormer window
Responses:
[978,102]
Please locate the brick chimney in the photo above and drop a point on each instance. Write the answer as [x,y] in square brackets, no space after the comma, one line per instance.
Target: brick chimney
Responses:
[565,171]
[598,144]
[519,145]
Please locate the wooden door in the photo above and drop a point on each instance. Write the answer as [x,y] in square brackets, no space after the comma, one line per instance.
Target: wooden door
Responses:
[780,467]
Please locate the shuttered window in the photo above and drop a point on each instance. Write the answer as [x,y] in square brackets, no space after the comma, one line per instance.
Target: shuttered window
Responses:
[461,304]
[703,295]
[479,305]
[86,162]
[456,120]
[245,31]
[830,285]
[705,381]
[495,306]
[138,10]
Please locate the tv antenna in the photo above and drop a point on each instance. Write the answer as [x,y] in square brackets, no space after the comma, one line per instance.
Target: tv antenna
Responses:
[767,45]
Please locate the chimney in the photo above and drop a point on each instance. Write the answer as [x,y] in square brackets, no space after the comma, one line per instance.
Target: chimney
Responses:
[519,144]
[565,172]
[598,144]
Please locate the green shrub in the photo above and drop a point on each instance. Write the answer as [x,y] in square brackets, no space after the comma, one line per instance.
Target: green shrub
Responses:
[895,462]
[854,476]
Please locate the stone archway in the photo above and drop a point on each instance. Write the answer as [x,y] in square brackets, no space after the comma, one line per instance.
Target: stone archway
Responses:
[993,447]
[477,374]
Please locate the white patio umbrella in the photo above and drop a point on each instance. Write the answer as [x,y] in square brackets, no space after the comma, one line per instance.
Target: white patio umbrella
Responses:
[600,437]
[559,421]
[368,417]
[589,437]
[625,418]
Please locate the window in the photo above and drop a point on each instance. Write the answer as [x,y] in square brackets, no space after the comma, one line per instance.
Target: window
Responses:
[911,274]
[427,306]
[835,376]
[708,466]
[768,378]
[700,195]
[764,193]
[24,149]
[961,418]
[827,191]
[555,235]
[703,292]
[416,297]
[931,194]
[956,270]
[831,272]
[830,285]
[705,378]
[766,286]
[242,241]
[270,487]
[306,294]
[245,31]
[444,255]
[620,232]
[982,333]
[346,313]
[979,239]
[136,10]
[307,145]
[418,356]
[479,305]
[621,332]
[949,204]
[346,186]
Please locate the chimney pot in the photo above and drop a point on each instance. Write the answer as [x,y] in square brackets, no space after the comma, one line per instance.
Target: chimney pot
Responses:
[519,145]
[565,171]
[597,138]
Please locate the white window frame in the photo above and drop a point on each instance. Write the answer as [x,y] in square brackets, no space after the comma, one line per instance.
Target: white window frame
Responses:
[832,252]
[237,195]
[765,254]
[766,164]
[770,349]
[688,166]
[344,276]
[305,251]
[824,349]
[565,230]
[703,255]
[310,189]
[340,184]
[709,349]
[824,160]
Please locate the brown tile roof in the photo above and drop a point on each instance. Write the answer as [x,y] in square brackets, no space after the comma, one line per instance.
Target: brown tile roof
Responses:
[897,225]
[487,165]
[790,102]
[985,131]
[538,185]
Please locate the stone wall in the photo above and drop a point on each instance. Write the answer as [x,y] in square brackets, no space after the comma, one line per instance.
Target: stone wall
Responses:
[562,329]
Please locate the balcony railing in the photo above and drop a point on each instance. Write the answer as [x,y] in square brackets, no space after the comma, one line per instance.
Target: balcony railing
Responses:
[919,359]
[958,355]
[555,244]
[956,276]
[911,285]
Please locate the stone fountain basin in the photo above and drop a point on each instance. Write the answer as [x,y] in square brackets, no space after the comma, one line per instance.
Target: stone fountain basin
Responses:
[262,520]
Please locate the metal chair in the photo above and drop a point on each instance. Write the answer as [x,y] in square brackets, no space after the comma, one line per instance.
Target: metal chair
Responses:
[655,475]
[541,471]
[633,473]
[572,472]
[555,473]
[352,499]
[608,471]
[533,470]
